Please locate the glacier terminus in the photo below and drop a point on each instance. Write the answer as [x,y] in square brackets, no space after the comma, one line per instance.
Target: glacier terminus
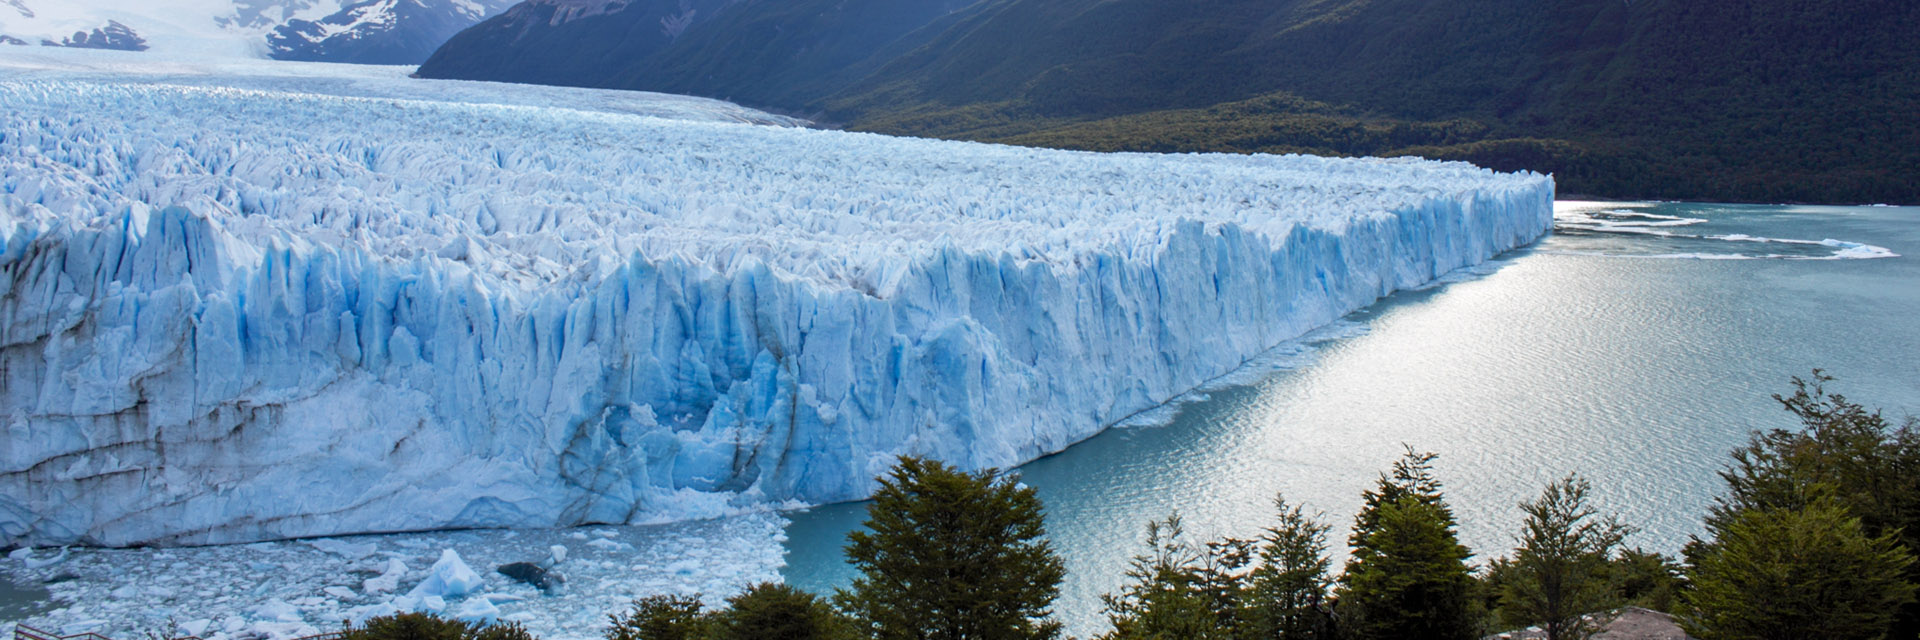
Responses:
[252,311]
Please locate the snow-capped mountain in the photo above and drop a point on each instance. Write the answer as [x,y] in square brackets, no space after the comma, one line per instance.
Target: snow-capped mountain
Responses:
[379,31]
[369,31]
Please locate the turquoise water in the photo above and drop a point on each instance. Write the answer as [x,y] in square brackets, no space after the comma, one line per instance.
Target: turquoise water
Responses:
[1635,346]
[20,601]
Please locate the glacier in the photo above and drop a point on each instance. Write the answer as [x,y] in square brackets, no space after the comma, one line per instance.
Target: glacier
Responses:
[253,312]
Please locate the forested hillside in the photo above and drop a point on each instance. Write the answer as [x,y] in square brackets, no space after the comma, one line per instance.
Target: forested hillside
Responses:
[1755,100]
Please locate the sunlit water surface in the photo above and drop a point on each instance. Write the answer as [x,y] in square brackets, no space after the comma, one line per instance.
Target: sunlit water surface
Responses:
[1635,346]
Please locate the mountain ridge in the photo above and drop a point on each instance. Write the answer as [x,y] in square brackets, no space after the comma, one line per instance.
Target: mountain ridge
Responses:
[1747,100]
[354,31]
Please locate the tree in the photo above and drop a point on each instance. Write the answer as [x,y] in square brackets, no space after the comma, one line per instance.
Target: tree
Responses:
[1562,569]
[770,611]
[1648,579]
[1844,453]
[1407,576]
[1810,572]
[1288,591]
[950,555]
[661,618]
[1870,464]
[1168,597]
[426,626]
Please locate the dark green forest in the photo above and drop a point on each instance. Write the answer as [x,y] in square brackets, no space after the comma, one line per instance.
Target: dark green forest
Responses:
[1749,100]
[1743,100]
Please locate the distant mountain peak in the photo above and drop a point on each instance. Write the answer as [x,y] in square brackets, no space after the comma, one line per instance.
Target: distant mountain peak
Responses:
[111,36]
[363,31]
[261,14]
[379,31]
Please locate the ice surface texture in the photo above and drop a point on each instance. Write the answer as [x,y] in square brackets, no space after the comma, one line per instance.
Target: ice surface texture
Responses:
[231,315]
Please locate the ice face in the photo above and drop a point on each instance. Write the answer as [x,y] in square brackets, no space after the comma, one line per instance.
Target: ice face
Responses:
[240,314]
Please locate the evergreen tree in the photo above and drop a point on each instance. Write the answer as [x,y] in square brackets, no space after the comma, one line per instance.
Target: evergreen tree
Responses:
[1287,593]
[1785,574]
[1408,575]
[1167,598]
[661,618]
[1562,568]
[950,555]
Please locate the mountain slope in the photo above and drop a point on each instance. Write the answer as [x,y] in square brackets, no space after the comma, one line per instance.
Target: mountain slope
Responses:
[1752,100]
[769,52]
[1769,100]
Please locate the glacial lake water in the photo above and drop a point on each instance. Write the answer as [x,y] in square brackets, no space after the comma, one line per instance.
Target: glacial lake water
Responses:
[1635,346]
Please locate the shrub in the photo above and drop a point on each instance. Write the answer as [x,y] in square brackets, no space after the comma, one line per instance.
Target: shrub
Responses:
[1783,574]
[425,626]
[770,611]
[661,618]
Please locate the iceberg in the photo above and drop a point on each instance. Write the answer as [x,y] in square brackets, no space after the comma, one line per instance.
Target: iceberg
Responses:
[450,577]
[233,314]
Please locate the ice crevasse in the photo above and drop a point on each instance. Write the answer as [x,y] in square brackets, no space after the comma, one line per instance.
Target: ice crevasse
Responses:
[230,315]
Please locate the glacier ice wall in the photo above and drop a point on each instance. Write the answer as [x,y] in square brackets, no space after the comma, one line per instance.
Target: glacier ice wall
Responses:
[235,314]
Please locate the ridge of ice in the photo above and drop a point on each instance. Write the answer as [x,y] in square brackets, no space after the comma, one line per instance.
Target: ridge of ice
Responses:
[242,313]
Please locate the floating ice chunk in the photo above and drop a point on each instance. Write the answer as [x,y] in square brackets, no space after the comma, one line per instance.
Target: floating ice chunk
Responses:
[388,580]
[481,610]
[341,593]
[450,577]
[684,567]
[608,544]
[281,630]
[558,553]
[276,610]
[83,626]
[361,614]
[196,628]
[25,556]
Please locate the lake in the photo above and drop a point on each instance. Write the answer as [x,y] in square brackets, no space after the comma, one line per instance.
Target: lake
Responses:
[1636,346]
